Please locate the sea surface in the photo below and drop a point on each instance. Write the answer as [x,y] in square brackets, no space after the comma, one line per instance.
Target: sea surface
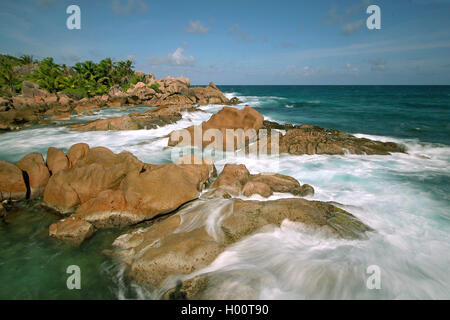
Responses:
[404,197]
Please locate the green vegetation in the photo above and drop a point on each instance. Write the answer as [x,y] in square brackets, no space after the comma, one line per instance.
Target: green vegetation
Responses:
[84,79]
[155,86]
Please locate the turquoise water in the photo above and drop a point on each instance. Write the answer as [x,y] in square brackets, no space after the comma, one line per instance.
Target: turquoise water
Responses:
[404,197]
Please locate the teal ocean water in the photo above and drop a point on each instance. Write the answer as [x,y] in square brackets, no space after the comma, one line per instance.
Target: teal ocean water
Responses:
[404,197]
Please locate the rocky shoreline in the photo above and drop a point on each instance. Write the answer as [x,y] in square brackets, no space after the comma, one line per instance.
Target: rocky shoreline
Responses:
[37,106]
[182,215]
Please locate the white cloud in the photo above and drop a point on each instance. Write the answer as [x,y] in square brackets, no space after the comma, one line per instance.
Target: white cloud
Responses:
[196,27]
[172,59]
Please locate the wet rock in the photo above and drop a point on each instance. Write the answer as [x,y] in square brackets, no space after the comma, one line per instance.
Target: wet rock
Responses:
[255,187]
[71,230]
[12,182]
[194,237]
[56,160]
[36,172]
[62,116]
[314,140]
[236,180]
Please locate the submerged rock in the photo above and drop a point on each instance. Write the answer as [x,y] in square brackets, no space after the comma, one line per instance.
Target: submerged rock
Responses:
[71,230]
[192,239]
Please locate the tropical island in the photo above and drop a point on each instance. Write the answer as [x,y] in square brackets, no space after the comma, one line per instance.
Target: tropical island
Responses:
[94,188]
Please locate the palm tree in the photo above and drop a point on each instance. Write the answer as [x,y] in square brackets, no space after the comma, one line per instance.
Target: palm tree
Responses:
[26,59]
[8,77]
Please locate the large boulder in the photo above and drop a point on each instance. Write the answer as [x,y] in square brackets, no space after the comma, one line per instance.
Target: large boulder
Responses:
[193,238]
[56,160]
[244,125]
[77,152]
[71,230]
[100,169]
[37,173]
[146,194]
[235,179]
[207,95]
[12,182]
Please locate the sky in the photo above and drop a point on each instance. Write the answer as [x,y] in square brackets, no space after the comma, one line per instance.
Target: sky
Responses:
[243,41]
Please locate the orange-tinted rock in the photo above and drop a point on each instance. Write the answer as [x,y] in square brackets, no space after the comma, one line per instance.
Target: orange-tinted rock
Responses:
[254,187]
[71,230]
[76,152]
[37,172]
[56,160]
[12,183]
[244,125]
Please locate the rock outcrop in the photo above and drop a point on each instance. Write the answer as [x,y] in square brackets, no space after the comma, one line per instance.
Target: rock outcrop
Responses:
[235,180]
[306,139]
[242,128]
[35,105]
[12,182]
[148,120]
[247,119]
[71,230]
[194,237]
[108,189]
[56,160]
[37,173]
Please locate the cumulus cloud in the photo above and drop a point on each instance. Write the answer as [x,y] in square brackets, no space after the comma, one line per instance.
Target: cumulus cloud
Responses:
[239,34]
[378,65]
[129,6]
[176,58]
[196,27]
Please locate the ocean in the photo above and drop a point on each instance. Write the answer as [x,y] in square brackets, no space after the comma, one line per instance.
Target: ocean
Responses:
[404,197]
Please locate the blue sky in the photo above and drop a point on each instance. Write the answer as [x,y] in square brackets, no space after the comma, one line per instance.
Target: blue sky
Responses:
[243,41]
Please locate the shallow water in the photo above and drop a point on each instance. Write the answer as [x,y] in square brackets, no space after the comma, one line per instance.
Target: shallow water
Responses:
[404,197]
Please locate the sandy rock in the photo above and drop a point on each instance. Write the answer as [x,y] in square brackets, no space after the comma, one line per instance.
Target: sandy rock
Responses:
[56,160]
[37,173]
[254,187]
[12,183]
[62,116]
[76,152]
[71,230]
[247,119]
